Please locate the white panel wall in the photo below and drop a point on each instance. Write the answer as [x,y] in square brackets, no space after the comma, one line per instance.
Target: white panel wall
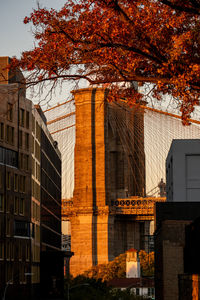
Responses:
[183,171]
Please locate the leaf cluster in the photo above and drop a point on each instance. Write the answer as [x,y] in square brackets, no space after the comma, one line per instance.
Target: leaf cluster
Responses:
[106,272]
[147,263]
[117,267]
[107,42]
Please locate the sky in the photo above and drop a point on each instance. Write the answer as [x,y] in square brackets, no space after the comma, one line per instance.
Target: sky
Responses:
[16,37]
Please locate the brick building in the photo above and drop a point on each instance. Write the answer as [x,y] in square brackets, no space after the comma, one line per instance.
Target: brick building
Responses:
[30,194]
[15,183]
[173,248]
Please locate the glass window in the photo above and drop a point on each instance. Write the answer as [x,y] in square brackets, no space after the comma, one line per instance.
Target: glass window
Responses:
[10,157]
[1,181]
[16,205]
[1,250]
[20,138]
[10,112]
[8,180]
[2,153]
[7,250]
[22,228]
[19,248]
[33,124]
[37,131]
[21,206]
[10,134]
[27,252]
[21,117]
[8,226]
[33,166]
[27,119]
[1,202]
[1,131]
[22,186]
[16,182]
[26,162]
[12,251]
[27,141]
[21,161]
[8,201]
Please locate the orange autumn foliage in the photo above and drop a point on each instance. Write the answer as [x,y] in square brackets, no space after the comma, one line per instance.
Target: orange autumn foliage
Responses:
[111,41]
[117,267]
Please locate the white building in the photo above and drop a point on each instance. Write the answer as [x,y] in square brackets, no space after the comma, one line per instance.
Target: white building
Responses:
[183,171]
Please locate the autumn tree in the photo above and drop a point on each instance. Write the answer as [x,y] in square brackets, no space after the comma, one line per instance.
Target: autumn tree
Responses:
[106,272]
[147,263]
[109,42]
[117,267]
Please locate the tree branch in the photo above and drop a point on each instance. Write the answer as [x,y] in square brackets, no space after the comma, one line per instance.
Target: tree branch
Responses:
[181,8]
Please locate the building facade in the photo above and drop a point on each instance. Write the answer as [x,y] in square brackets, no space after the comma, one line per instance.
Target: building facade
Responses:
[182,171]
[51,237]
[30,195]
[175,252]
[15,184]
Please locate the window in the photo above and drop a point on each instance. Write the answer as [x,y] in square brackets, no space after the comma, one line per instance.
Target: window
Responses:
[37,171]
[10,112]
[22,229]
[19,249]
[1,131]
[27,141]
[1,182]
[8,226]
[1,202]
[8,180]
[16,205]
[8,157]
[22,184]
[27,119]
[22,274]
[8,250]
[7,203]
[37,131]
[137,291]
[10,134]
[21,206]
[26,162]
[150,291]
[33,124]
[37,150]
[16,186]
[9,272]
[21,161]
[33,145]
[12,251]
[1,250]
[21,117]
[33,166]
[20,138]
[33,188]
[27,252]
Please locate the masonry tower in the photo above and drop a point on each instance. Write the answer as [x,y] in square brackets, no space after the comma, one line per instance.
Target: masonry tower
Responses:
[109,169]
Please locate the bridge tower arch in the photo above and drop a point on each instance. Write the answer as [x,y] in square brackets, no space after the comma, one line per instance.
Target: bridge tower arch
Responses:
[109,165]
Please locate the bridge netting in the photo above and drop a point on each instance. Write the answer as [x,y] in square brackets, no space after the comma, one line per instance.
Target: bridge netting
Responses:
[159,131]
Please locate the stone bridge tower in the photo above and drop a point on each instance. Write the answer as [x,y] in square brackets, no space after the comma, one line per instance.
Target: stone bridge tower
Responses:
[109,167]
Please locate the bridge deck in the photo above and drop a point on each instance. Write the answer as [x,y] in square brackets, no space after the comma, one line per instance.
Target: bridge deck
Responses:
[142,208]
